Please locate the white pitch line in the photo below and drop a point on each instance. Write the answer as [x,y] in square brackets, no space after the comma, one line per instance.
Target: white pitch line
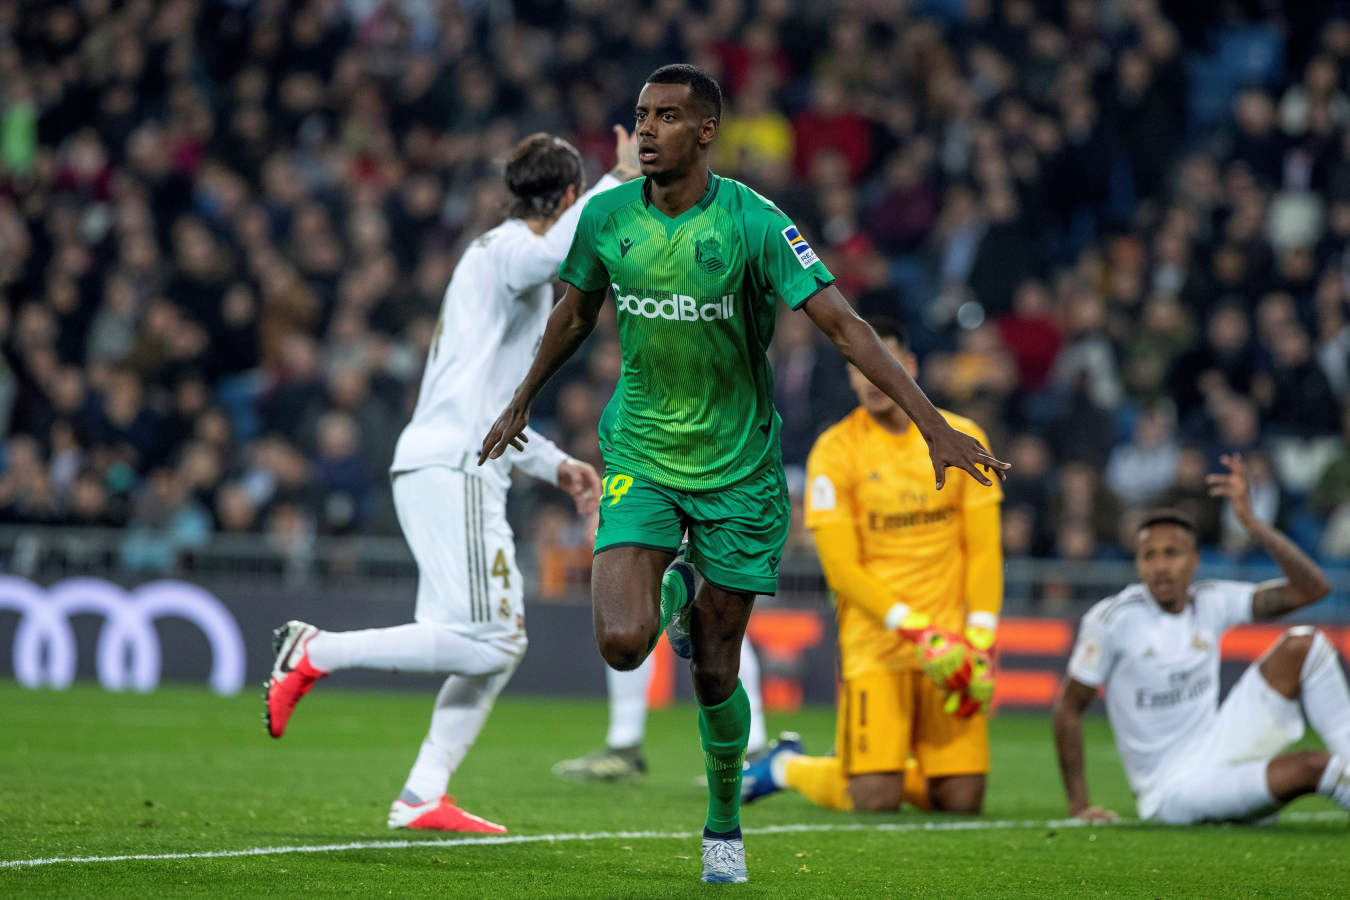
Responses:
[802,828]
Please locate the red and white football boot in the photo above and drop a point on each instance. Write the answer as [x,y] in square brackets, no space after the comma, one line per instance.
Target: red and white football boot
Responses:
[292,674]
[439,815]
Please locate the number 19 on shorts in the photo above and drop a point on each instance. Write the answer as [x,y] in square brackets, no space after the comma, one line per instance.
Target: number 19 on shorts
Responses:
[613,487]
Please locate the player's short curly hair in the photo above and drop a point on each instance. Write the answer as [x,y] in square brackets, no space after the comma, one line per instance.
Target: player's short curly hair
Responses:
[1168,516]
[703,88]
[538,172]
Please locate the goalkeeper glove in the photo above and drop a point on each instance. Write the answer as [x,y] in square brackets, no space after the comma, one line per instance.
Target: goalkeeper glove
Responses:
[979,637]
[945,659]
[941,654]
[978,693]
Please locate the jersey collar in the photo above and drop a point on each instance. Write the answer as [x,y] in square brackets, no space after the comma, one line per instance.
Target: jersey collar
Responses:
[704,201]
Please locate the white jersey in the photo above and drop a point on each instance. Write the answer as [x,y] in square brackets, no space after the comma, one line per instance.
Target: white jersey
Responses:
[1161,671]
[491,321]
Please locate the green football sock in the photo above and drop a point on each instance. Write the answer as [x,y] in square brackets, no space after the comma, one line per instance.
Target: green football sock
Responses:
[725,730]
[674,594]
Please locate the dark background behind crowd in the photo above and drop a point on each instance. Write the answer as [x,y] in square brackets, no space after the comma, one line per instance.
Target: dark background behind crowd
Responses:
[1116,232]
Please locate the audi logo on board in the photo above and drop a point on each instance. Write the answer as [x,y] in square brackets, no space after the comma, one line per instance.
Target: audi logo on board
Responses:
[128,654]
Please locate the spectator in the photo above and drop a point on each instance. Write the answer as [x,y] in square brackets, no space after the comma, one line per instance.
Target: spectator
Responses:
[165,524]
[236,513]
[1087,361]
[829,124]
[1190,494]
[907,211]
[1149,118]
[1081,501]
[1295,395]
[1256,143]
[26,495]
[1006,253]
[1225,362]
[1140,471]
[339,475]
[121,422]
[1031,334]
[90,505]
[755,134]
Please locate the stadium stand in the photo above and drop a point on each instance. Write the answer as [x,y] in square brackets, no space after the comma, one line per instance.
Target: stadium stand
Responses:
[1117,235]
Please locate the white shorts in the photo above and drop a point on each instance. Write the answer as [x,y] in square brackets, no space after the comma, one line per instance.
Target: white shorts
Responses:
[1221,776]
[455,524]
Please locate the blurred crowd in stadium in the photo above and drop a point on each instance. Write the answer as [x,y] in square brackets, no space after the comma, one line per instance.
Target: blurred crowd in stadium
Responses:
[1116,232]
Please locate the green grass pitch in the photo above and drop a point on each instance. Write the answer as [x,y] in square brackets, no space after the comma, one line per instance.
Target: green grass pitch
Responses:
[87,773]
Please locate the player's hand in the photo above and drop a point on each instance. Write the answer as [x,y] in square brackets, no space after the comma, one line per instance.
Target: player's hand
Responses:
[948,448]
[628,166]
[945,659]
[507,431]
[1096,814]
[581,481]
[1233,486]
[978,693]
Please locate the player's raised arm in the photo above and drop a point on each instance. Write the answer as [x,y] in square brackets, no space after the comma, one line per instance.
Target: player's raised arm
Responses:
[1303,583]
[568,325]
[1073,700]
[860,345]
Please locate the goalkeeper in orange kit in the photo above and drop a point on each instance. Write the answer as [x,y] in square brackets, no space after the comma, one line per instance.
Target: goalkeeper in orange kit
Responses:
[918,581]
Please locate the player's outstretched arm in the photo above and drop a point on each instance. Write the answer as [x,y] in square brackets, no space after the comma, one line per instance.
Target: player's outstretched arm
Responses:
[1073,700]
[568,325]
[860,345]
[1304,583]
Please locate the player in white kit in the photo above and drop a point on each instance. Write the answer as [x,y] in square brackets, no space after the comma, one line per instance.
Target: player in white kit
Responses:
[469,619]
[1154,647]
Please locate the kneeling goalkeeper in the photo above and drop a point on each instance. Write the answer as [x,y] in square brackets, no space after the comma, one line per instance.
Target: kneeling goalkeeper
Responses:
[918,578]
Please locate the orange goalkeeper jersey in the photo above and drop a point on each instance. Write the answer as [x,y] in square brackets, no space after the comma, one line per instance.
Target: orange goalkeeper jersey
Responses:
[936,551]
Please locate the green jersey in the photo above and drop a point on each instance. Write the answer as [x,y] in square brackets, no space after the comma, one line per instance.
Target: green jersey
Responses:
[697,300]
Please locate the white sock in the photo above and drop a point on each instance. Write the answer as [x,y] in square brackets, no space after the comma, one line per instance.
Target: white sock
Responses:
[778,767]
[1326,700]
[416,647]
[628,704]
[462,706]
[1335,781]
[759,738]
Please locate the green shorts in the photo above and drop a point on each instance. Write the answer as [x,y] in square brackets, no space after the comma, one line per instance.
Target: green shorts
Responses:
[736,534]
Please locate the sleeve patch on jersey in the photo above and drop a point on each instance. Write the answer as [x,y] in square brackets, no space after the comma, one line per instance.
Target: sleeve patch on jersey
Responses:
[822,493]
[805,255]
[1087,654]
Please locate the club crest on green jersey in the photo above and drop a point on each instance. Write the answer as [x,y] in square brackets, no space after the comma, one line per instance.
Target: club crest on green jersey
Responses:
[706,255]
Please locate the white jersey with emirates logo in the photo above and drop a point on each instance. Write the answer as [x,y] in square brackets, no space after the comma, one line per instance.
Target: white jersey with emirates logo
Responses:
[1160,671]
[490,324]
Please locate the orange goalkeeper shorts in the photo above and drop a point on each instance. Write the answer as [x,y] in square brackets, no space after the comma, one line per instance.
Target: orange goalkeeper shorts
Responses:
[884,718]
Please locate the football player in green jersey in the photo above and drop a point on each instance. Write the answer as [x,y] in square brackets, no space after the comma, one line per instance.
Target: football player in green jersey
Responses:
[697,264]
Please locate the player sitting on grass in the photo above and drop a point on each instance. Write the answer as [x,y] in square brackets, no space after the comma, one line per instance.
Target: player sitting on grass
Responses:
[910,566]
[698,265]
[469,619]
[1154,648]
